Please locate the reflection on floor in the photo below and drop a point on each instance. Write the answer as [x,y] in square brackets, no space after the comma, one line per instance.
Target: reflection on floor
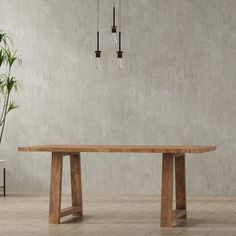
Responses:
[106,214]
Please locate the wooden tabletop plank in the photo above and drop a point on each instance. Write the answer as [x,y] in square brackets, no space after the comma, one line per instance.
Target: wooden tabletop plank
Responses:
[117,148]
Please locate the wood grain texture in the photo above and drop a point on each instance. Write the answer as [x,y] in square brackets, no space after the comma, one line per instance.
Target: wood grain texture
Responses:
[55,188]
[180,184]
[76,183]
[117,148]
[167,190]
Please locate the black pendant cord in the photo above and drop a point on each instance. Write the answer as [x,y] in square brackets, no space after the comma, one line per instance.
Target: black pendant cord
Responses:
[114,16]
[98,52]
[119,41]
[98,41]
[113,28]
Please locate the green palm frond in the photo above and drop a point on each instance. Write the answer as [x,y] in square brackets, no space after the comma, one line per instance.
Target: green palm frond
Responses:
[7,83]
[11,83]
[2,57]
[2,78]
[11,57]
[11,106]
[5,38]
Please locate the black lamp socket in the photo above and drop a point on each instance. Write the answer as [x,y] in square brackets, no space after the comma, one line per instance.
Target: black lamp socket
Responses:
[120,54]
[113,29]
[98,53]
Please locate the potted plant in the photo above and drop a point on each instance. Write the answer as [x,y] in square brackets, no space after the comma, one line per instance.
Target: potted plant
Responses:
[8,83]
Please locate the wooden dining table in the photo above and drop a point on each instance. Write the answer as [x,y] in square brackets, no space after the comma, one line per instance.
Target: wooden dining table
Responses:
[173,161]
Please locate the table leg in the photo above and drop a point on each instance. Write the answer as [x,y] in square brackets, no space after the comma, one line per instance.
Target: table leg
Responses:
[55,188]
[76,184]
[4,182]
[167,190]
[180,185]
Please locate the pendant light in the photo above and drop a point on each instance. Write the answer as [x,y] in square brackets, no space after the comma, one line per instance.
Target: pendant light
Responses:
[120,52]
[98,52]
[113,27]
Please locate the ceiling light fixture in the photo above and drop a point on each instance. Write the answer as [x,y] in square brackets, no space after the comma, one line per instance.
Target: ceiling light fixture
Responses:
[98,52]
[114,28]
[120,52]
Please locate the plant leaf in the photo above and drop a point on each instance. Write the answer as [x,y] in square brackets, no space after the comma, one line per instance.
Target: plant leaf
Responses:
[11,57]
[11,106]
[5,38]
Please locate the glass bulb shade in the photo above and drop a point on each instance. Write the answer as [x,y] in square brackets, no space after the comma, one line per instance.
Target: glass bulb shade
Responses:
[98,62]
[113,38]
[120,63]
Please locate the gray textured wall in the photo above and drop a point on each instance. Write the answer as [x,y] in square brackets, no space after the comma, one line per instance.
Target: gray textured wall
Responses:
[178,87]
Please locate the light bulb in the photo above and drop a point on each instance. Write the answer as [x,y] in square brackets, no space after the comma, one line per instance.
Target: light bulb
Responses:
[120,63]
[98,62]
[113,37]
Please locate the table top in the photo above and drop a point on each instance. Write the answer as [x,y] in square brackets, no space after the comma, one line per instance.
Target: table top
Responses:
[117,148]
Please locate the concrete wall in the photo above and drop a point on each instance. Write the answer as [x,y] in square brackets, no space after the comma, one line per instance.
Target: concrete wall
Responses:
[178,87]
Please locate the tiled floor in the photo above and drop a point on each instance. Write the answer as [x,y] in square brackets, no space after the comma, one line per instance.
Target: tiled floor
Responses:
[128,215]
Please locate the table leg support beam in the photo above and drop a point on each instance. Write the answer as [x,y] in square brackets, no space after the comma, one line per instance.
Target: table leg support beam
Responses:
[70,211]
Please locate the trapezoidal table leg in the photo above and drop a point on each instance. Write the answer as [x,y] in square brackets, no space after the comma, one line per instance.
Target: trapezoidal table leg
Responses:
[55,188]
[180,186]
[4,182]
[167,189]
[76,184]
